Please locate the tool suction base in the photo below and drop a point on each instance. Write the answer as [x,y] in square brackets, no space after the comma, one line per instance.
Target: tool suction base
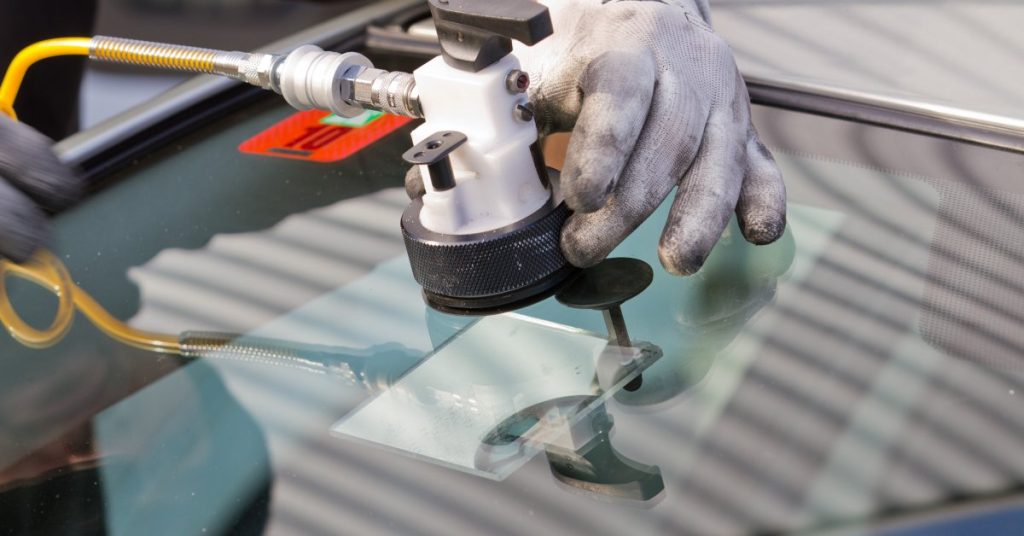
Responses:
[488,272]
[503,303]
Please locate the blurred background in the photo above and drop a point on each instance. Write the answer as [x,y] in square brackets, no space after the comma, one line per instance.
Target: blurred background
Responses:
[960,53]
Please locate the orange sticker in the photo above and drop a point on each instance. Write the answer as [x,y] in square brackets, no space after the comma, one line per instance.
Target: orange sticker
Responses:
[318,136]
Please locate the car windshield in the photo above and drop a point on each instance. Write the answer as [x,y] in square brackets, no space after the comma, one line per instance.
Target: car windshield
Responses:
[964,54]
[861,372]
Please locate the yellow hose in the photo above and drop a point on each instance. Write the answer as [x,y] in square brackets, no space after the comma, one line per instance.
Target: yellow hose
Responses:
[45,269]
[63,46]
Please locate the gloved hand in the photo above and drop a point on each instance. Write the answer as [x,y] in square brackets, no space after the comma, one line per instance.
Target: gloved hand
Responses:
[654,100]
[32,181]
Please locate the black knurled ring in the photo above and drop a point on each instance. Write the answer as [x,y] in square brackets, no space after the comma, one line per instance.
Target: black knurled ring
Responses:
[485,264]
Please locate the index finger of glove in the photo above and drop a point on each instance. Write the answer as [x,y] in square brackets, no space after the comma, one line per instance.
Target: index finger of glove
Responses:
[23,227]
[666,145]
[29,164]
[617,88]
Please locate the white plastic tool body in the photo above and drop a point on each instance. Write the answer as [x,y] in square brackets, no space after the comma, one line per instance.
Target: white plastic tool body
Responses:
[496,180]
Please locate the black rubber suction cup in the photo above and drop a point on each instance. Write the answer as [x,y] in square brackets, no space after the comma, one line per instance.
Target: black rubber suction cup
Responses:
[604,287]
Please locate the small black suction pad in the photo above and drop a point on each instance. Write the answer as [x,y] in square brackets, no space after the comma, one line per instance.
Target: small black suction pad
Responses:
[607,284]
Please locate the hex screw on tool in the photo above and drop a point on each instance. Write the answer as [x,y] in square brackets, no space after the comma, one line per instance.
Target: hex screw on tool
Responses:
[606,286]
[517,81]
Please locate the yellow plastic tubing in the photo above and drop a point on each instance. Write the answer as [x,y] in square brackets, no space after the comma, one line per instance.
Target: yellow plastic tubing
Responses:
[62,46]
[45,269]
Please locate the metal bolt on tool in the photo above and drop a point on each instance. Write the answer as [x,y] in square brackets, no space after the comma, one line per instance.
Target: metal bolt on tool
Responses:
[517,81]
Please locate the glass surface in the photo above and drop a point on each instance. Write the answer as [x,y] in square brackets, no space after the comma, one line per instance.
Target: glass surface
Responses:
[495,393]
[865,366]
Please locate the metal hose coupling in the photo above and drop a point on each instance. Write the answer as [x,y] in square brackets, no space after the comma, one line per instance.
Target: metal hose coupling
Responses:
[345,83]
[393,92]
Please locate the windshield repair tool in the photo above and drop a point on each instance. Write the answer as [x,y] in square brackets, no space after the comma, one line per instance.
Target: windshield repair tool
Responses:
[485,237]
[486,234]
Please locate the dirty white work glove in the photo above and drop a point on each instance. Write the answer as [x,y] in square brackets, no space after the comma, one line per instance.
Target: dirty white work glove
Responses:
[654,100]
[32,182]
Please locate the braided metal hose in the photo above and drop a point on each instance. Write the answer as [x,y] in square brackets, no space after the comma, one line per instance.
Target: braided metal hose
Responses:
[253,68]
[150,54]
[208,345]
[373,369]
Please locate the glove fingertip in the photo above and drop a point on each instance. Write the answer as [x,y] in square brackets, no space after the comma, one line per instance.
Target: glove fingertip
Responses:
[71,189]
[680,261]
[414,183]
[685,245]
[761,208]
[22,237]
[762,228]
[578,248]
[28,162]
